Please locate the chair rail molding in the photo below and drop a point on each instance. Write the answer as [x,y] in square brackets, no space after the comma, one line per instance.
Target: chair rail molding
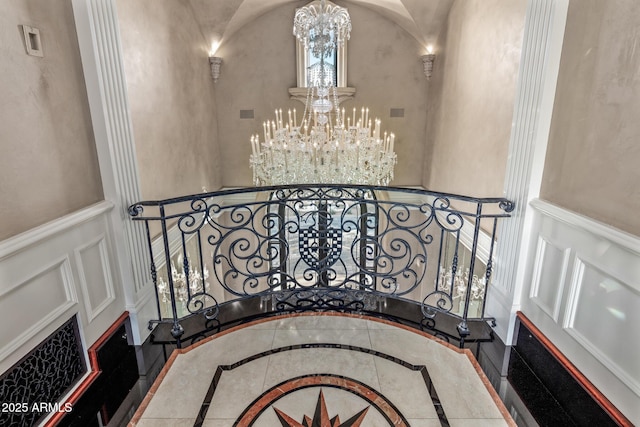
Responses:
[55,271]
[35,235]
[582,290]
[539,66]
[102,63]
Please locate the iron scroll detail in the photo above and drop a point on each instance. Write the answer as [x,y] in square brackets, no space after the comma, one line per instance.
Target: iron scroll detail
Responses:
[320,247]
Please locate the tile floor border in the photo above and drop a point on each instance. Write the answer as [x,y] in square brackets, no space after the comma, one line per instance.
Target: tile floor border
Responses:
[498,402]
[421,369]
[360,389]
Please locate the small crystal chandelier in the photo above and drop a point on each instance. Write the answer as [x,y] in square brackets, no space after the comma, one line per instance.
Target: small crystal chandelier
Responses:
[196,285]
[459,281]
[326,145]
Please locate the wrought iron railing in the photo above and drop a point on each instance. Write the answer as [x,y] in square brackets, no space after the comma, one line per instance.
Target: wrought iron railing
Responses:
[321,247]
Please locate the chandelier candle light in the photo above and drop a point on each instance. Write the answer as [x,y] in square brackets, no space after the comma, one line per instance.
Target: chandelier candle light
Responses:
[319,151]
[326,145]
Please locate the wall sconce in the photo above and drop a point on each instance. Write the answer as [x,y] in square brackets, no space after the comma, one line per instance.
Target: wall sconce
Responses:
[427,61]
[215,62]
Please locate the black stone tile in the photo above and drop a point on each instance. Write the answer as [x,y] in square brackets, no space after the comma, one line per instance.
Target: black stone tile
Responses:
[546,386]
[114,350]
[495,353]
[541,403]
[402,311]
[119,373]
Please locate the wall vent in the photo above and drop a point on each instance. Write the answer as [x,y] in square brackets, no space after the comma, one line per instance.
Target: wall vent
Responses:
[246,114]
[397,112]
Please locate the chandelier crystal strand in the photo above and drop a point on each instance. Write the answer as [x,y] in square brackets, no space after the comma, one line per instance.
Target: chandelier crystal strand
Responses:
[324,146]
[322,26]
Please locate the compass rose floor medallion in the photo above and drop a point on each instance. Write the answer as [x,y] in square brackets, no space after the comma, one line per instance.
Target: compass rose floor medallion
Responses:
[344,396]
[321,417]
[327,370]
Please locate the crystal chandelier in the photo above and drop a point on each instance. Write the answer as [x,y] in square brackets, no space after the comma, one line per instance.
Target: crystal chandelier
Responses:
[326,145]
[184,288]
[459,281]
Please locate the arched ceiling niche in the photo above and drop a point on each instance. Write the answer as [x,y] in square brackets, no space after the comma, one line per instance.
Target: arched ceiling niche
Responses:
[219,20]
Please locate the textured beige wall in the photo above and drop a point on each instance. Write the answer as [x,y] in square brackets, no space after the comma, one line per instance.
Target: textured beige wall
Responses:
[593,156]
[171,94]
[471,97]
[259,68]
[48,165]
[387,72]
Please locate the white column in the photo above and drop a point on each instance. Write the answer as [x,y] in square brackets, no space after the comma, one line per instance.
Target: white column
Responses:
[101,53]
[535,93]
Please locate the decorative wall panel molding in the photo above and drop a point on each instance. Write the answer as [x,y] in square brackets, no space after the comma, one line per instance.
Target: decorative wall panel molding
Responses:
[600,308]
[94,270]
[547,286]
[614,235]
[53,272]
[35,302]
[22,241]
[583,293]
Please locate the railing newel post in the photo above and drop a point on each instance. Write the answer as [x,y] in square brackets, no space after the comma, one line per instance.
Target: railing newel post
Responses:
[463,328]
[152,267]
[177,330]
[489,270]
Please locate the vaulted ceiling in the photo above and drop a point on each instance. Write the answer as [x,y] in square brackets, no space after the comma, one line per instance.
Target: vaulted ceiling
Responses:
[220,19]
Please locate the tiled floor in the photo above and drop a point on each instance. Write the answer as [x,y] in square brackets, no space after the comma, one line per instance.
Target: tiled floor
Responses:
[400,376]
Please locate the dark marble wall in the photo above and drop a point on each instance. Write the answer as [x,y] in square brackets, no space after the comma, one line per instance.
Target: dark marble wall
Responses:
[119,373]
[552,395]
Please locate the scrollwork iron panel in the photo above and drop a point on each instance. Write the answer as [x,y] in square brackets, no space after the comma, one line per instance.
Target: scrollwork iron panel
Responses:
[318,239]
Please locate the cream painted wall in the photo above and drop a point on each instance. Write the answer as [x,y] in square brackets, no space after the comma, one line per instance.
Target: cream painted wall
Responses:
[387,72]
[593,156]
[471,97]
[171,95]
[259,68]
[48,165]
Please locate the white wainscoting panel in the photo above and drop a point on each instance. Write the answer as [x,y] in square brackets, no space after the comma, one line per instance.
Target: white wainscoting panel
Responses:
[584,295]
[33,298]
[600,308]
[94,269]
[54,271]
[547,286]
